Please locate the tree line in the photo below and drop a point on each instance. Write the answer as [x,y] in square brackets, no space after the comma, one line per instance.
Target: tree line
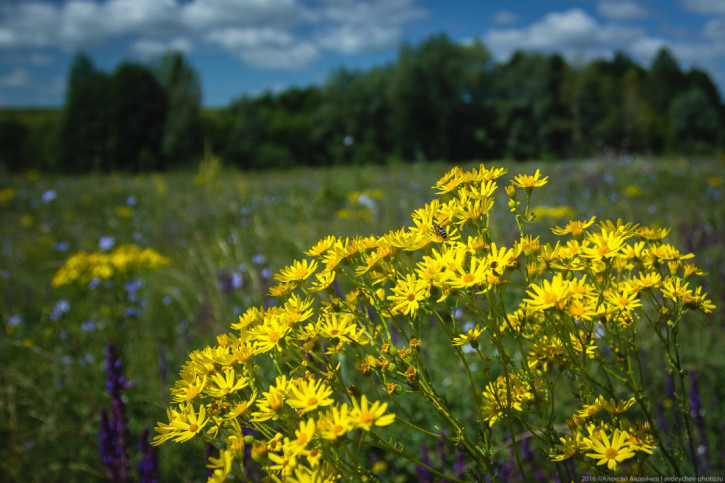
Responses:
[439,100]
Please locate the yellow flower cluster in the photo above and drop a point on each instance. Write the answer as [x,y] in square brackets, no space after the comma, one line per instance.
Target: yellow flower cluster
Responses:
[602,440]
[7,194]
[83,266]
[297,373]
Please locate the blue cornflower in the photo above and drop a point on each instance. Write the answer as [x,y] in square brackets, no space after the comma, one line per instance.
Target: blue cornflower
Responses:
[48,196]
[62,306]
[106,243]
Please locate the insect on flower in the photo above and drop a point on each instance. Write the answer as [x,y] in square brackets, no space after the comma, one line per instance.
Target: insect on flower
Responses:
[440,230]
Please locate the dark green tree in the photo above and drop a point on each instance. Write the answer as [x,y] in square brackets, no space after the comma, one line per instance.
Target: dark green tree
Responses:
[13,137]
[182,138]
[139,107]
[86,124]
[639,123]
[693,123]
[430,95]
[531,110]
[245,133]
[666,81]
[351,121]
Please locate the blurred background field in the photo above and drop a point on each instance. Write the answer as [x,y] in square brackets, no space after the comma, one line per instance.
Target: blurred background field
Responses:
[226,232]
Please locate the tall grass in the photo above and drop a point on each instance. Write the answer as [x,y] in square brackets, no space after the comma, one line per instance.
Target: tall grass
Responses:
[226,232]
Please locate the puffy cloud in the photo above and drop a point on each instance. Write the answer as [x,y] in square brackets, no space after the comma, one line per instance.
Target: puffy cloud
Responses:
[573,32]
[352,26]
[504,17]
[621,10]
[354,38]
[706,7]
[153,47]
[247,38]
[213,14]
[297,56]
[715,30]
[18,77]
[271,33]
[269,48]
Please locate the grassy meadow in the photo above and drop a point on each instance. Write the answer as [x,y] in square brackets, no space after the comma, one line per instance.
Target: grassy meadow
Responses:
[226,233]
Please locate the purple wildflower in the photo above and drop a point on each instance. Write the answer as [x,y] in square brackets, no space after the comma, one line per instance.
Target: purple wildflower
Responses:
[149,462]
[528,454]
[113,432]
[208,453]
[423,474]
[459,467]
[696,412]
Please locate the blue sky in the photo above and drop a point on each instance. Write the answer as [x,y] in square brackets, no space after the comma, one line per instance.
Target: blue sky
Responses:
[249,46]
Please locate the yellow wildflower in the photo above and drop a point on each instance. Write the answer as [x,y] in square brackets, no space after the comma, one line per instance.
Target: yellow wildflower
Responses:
[610,452]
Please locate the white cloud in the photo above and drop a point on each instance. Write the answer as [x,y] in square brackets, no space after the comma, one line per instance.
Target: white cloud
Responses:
[248,38]
[573,33]
[18,77]
[504,17]
[212,14]
[298,56]
[706,7]
[621,10]
[288,32]
[352,26]
[354,38]
[153,47]
[269,48]
[715,30]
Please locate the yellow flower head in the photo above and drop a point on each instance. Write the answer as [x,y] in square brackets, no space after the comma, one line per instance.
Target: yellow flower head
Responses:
[549,294]
[408,293]
[298,271]
[309,395]
[365,416]
[469,336]
[335,422]
[610,452]
[575,227]
[528,182]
